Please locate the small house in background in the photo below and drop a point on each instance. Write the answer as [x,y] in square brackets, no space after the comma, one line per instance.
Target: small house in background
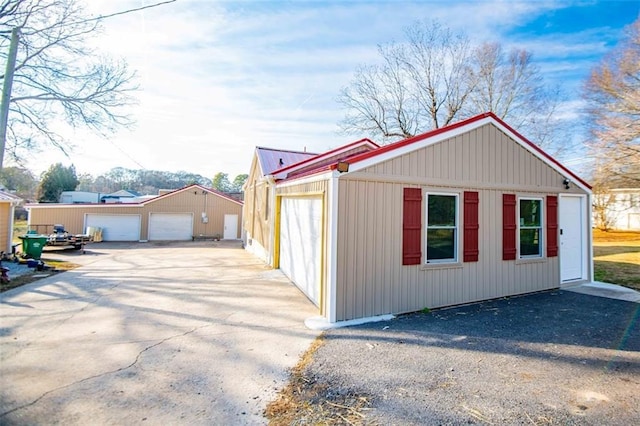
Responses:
[8,202]
[183,214]
[618,208]
[469,212]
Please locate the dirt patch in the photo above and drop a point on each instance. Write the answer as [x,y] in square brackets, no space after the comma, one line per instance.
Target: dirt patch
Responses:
[52,267]
[308,400]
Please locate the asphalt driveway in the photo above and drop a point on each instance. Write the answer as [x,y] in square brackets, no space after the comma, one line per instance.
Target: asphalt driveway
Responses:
[183,333]
[556,357]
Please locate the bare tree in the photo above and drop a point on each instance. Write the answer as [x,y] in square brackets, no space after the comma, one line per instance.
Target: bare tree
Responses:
[419,85]
[58,76]
[511,86]
[436,77]
[613,96]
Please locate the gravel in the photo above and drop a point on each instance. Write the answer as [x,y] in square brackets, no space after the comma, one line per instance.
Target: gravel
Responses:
[549,358]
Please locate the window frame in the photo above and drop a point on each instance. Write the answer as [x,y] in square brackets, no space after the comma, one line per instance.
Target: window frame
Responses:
[541,229]
[456,228]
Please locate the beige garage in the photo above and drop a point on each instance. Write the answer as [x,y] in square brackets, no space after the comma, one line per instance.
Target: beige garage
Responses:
[184,214]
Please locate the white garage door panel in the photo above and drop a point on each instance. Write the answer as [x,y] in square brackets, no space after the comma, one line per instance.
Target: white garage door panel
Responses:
[116,227]
[301,243]
[170,226]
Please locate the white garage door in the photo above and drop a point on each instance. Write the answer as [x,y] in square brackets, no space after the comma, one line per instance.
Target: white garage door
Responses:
[170,226]
[116,227]
[301,243]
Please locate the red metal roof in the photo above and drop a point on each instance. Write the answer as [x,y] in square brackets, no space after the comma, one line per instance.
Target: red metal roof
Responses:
[272,159]
[335,155]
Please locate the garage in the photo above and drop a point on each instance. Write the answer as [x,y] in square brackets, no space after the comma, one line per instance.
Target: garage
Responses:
[301,243]
[170,226]
[115,227]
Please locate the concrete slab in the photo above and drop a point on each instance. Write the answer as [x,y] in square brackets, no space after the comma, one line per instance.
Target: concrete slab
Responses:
[184,333]
[611,291]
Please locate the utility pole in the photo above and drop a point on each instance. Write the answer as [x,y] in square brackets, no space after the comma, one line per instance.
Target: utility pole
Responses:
[6,90]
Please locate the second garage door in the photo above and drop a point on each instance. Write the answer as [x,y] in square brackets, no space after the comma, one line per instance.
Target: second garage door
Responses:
[301,243]
[116,227]
[170,226]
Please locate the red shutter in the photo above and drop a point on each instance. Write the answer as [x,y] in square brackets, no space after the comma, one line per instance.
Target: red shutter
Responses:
[471,225]
[552,226]
[508,226]
[412,226]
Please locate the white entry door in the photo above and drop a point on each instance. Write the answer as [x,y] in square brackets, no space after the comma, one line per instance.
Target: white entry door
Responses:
[572,238]
[301,243]
[230,227]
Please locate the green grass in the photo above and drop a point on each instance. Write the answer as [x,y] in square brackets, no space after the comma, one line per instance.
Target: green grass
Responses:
[616,258]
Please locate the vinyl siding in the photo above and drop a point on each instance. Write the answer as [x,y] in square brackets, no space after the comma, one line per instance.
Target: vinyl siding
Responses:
[370,278]
[5,221]
[484,156]
[256,223]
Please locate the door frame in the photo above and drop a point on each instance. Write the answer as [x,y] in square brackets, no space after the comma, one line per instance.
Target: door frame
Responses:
[276,243]
[224,230]
[585,235]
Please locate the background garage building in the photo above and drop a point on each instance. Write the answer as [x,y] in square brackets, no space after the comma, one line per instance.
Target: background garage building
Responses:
[180,215]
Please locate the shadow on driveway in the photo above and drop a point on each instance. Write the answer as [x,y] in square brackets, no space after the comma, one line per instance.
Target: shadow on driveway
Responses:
[556,357]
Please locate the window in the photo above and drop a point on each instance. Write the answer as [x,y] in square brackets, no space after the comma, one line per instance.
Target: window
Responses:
[530,227]
[442,228]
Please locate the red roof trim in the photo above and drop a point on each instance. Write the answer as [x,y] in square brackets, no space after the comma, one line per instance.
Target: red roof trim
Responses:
[543,153]
[391,147]
[327,154]
[457,125]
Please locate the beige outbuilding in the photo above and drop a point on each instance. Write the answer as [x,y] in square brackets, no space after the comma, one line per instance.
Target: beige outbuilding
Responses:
[464,213]
[188,213]
[8,203]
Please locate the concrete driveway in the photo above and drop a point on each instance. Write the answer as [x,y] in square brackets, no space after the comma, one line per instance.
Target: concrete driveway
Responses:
[181,333]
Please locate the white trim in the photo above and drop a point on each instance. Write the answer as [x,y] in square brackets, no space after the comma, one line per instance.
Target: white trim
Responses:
[540,156]
[427,141]
[307,179]
[586,235]
[543,221]
[456,242]
[332,248]
[321,323]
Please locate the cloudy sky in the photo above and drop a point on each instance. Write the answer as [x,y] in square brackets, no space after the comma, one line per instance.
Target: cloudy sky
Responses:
[218,78]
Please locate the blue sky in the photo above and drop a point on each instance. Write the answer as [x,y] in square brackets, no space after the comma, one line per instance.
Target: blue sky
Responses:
[219,78]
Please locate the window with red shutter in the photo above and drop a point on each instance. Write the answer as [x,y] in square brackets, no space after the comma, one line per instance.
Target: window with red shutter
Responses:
[412,226]
[508,226]
[471,226]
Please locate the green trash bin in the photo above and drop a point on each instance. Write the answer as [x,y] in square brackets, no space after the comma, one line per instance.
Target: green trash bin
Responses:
[32,245]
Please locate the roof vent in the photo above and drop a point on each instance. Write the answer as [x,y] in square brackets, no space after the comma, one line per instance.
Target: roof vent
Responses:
[281,162]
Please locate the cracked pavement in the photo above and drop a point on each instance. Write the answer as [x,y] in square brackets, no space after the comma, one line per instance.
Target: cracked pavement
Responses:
[197,333]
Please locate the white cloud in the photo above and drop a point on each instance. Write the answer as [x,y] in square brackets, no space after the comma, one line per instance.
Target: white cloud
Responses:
[219,78]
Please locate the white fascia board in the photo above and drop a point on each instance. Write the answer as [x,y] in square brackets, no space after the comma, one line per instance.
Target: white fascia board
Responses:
[308,179]
[418,145]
